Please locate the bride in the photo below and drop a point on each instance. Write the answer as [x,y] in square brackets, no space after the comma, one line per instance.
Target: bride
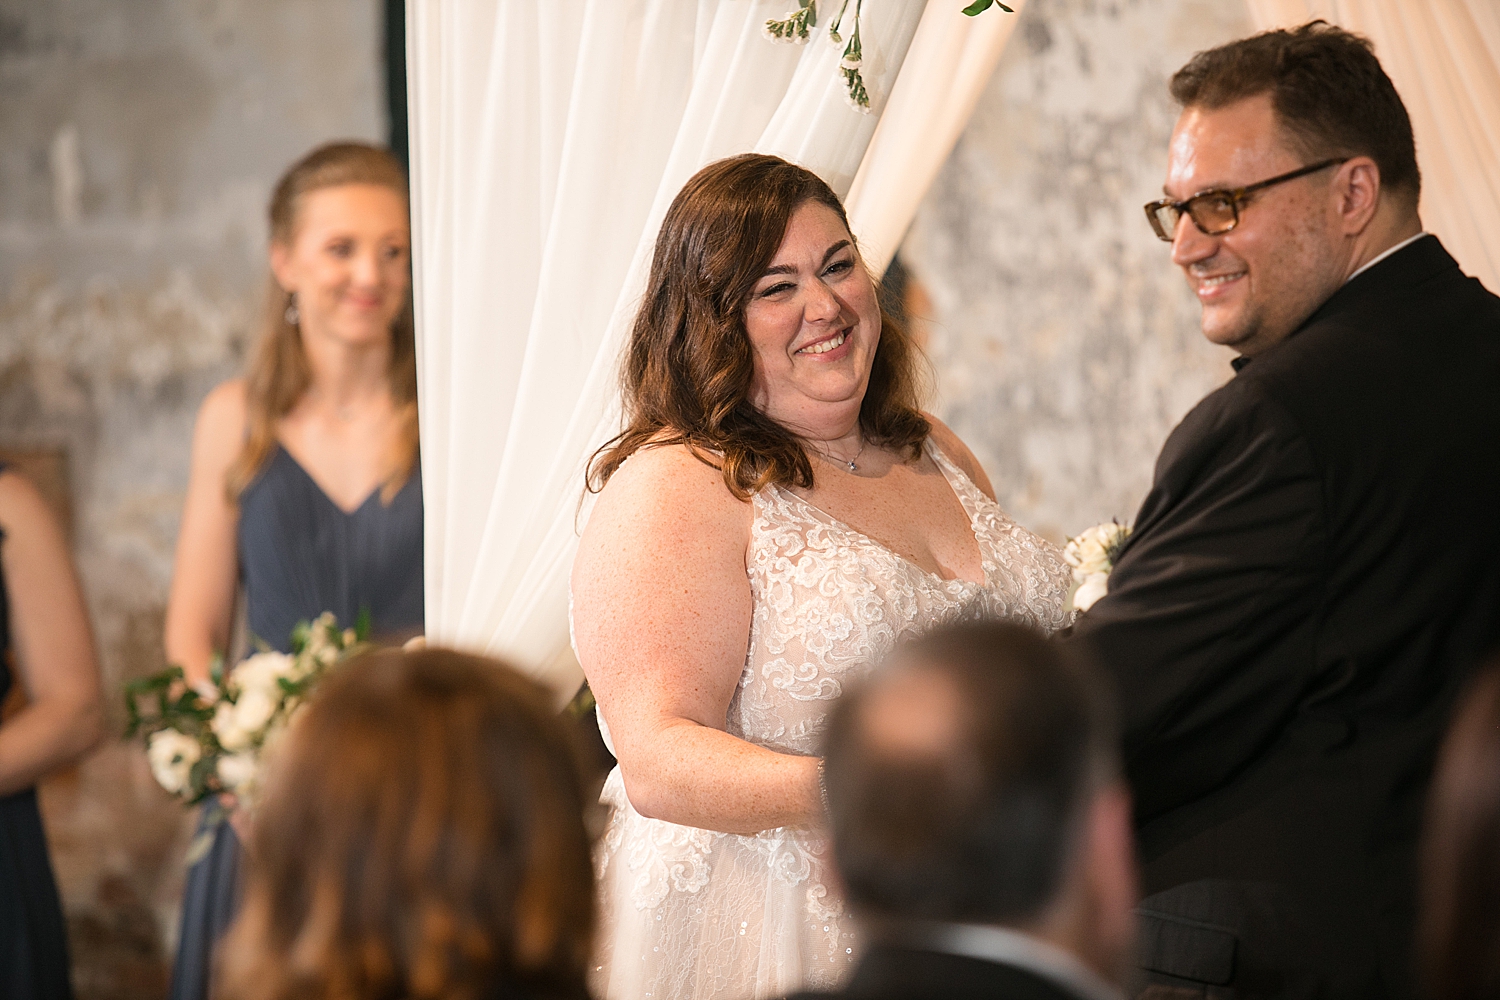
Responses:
[776,515]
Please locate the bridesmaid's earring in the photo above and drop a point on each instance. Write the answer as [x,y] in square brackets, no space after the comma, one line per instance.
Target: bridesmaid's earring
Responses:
[292,315]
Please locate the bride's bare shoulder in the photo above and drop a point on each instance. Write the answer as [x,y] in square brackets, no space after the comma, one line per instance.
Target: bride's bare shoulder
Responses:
[669,484]
[959,454]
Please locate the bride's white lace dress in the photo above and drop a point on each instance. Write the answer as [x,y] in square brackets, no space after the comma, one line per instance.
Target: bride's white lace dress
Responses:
[689,913]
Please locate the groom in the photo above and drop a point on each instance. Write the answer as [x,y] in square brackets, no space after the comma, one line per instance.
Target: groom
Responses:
[1317,564]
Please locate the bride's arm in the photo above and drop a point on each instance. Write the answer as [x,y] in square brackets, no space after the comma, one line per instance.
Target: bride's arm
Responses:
[661,617]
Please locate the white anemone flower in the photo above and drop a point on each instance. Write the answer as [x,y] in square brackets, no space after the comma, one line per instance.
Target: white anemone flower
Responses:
[239,772]
[172,756]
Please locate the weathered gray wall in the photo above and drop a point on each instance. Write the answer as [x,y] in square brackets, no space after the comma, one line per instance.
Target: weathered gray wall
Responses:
[138,144]
[1065,342]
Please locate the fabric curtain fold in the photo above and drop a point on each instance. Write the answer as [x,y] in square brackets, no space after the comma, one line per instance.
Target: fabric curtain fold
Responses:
[547,141]
[1444,58]
[950,61]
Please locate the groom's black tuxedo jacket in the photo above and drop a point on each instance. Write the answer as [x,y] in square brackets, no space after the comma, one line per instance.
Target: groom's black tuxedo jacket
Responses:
[1314,571]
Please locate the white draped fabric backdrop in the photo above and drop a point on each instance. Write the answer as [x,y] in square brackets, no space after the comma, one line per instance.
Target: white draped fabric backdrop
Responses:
[548,138]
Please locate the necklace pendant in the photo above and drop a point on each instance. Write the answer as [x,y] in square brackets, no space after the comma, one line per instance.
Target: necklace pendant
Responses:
[852,466]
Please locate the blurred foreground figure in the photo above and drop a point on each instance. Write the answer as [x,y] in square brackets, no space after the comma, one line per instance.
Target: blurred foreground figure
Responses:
[421,837]
[45,638]
[1317,565]
[1459,945]
[980,823]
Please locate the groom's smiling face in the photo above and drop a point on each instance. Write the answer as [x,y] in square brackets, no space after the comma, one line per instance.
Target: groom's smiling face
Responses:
[1260,280]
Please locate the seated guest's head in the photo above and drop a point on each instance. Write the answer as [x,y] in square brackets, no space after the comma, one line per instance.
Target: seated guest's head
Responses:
[1291,166]
[421,835]
[1460,913]
[975,780]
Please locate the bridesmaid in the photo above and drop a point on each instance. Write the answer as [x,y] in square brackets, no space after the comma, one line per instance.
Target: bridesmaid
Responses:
[45,635]
[305,487]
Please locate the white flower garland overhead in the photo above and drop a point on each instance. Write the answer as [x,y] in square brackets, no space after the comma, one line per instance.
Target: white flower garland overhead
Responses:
[796,27]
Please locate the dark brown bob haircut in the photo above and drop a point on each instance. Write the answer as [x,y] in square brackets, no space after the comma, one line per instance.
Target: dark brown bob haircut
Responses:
[1459,919]
[688,367]
[421,837]
[1328,90]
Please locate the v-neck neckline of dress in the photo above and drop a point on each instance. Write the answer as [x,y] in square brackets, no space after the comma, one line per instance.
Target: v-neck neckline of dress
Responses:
[941,461]
[324,493]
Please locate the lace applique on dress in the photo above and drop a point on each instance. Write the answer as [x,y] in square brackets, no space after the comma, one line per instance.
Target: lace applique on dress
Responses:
[689,913]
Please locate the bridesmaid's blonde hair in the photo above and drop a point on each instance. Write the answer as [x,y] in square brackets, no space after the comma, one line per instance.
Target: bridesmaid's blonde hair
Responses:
[278,373]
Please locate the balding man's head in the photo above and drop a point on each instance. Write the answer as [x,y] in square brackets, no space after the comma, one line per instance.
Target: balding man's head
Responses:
[959,776]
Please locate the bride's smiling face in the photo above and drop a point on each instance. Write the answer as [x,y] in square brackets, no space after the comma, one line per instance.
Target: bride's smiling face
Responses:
[813,321]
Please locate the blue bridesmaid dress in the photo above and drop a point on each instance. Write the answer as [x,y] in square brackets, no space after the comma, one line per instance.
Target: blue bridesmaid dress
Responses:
[300,555]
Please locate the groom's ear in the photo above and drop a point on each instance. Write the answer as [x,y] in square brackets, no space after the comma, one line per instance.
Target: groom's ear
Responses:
[1114,881]
[1356,190]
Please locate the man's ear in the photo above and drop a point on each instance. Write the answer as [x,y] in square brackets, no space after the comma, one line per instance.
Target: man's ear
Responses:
[1357,190]
[1112,865]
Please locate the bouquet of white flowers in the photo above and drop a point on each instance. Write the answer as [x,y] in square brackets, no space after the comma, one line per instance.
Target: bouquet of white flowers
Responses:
[204,742]
[1092,556]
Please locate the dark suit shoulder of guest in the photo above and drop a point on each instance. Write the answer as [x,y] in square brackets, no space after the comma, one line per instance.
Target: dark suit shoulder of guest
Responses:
[903,974]
[1313,571]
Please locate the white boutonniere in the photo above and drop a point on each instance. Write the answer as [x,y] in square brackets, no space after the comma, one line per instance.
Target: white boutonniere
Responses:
[1092,556]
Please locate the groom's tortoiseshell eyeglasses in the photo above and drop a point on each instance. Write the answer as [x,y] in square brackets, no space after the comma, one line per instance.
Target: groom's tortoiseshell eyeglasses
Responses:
[1216,212]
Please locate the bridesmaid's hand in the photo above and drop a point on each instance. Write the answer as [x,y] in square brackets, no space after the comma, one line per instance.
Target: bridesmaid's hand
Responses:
[239,819]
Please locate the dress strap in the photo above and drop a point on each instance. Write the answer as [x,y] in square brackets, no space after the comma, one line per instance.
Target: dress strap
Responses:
[957,478]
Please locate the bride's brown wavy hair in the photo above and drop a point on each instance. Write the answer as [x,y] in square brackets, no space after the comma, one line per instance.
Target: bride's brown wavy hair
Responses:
[688,368]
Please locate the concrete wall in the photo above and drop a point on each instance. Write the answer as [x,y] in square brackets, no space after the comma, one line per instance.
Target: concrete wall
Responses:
[138,144]
[1066,343]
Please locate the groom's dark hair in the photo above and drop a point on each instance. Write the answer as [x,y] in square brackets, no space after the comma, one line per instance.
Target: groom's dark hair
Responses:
[959,777]
[1328,90]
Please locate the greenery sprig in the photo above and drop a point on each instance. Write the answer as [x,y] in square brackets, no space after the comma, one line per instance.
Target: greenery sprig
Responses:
[854,53]
[797,26]
[980,6]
